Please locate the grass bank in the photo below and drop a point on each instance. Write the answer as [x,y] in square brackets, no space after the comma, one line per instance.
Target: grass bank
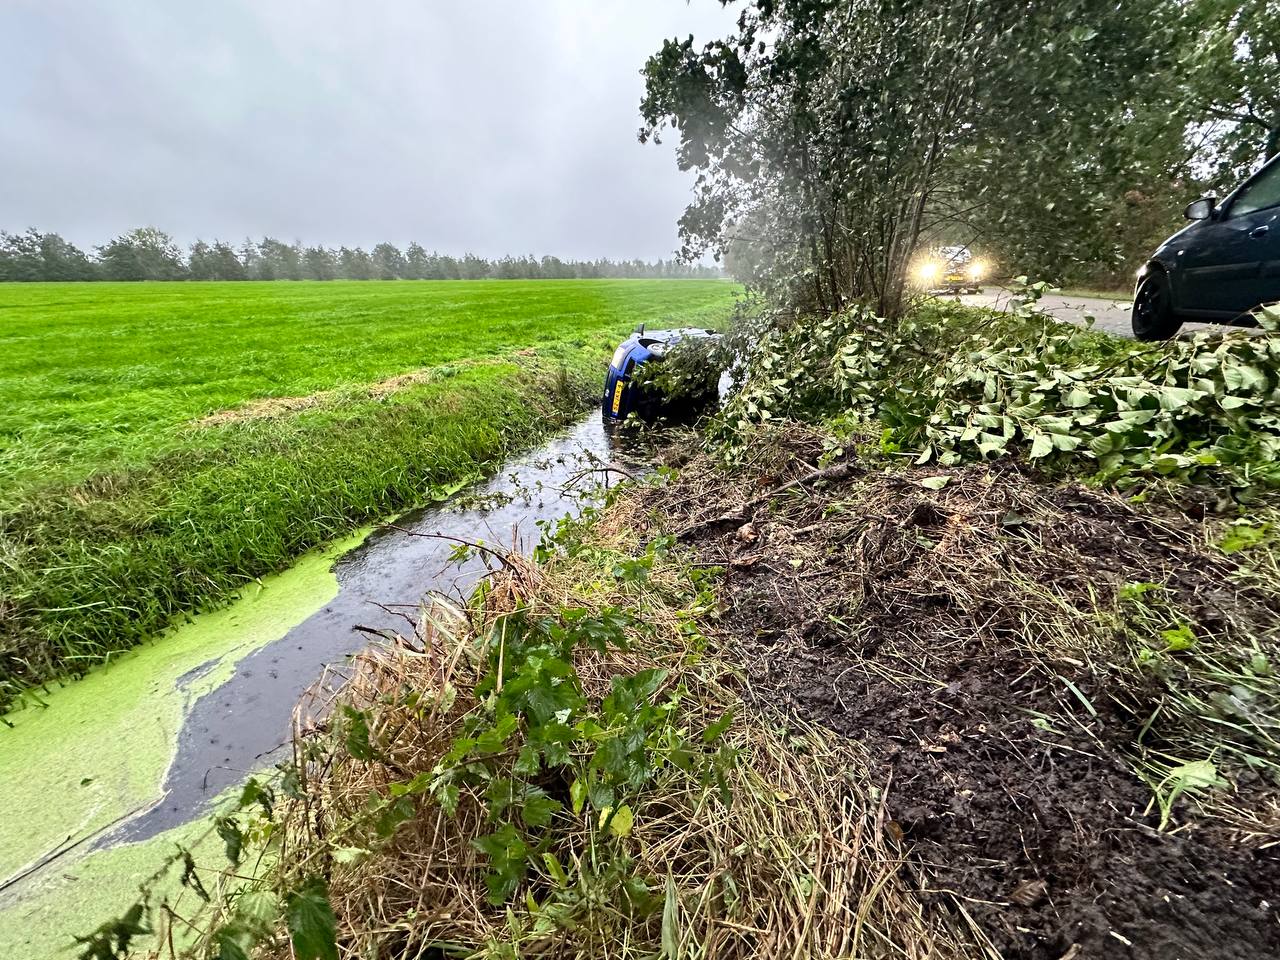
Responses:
[950,639]
[165,444]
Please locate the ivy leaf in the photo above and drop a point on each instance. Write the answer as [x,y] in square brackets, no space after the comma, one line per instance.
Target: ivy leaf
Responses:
[1041,446]
[313,930]
[935,483]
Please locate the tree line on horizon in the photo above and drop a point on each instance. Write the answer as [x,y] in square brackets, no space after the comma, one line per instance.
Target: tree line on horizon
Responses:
[147,253]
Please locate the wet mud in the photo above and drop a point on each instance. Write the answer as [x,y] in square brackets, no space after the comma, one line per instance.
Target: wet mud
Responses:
[954,634]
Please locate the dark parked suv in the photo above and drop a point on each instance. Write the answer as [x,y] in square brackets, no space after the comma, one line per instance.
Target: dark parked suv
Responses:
[1220,267]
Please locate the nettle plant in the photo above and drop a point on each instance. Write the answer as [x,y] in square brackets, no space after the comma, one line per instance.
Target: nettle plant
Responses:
[560,773]
[538,745]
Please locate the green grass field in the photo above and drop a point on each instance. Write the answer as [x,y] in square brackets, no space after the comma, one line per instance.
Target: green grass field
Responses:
[119,508]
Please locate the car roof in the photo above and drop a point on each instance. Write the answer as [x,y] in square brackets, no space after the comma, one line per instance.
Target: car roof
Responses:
[671,336]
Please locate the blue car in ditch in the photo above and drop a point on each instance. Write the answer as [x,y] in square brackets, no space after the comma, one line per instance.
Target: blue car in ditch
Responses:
[623,394]
[1221,267]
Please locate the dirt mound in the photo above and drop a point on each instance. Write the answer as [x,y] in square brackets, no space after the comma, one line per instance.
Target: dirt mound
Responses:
[972,633]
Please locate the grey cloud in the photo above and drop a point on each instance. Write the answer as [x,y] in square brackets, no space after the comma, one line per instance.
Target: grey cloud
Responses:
[496,126]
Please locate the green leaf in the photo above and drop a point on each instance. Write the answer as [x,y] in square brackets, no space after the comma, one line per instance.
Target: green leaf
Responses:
[578,795]
[392,815]
[313,930]
[537,809]
[935,483]
[718,727]
[496,737]
[621,822]
[671,921]
[349,855]
[555,869]
[1077,397]
[357,734]
[1131,591]
[232,837]
[527,764]
[233,942]
[1243,535]
[1041,446]
[1179,638]
[1196,775]
[508,858]
[448,796]
[1244,377]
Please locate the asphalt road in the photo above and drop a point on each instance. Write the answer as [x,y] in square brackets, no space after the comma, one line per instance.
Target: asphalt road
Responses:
[1109,315]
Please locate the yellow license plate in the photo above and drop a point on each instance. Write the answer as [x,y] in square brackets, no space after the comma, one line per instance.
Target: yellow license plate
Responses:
[617,397]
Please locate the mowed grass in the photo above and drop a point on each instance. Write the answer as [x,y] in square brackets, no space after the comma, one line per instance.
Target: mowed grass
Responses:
[119,510]
[99,375]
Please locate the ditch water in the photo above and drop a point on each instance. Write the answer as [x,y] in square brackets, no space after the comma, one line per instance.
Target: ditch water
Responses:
[99,784]
[243,725]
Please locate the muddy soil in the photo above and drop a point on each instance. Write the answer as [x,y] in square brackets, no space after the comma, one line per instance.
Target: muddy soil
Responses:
[961,635]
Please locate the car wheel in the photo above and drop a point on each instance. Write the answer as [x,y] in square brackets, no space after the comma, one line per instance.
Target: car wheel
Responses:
[1153,317]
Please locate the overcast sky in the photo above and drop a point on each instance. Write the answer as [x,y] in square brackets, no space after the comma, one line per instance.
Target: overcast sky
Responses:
[492,126]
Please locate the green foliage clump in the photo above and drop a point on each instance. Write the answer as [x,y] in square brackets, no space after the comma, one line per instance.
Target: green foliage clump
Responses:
[683,383]
[950,385]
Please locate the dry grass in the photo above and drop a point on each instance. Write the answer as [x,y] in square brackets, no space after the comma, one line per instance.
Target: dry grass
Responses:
[795,859]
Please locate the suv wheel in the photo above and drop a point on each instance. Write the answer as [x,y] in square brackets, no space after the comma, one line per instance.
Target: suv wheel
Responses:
[1153,317]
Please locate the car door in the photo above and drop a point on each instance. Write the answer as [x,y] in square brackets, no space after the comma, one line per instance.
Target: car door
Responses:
[1234,262]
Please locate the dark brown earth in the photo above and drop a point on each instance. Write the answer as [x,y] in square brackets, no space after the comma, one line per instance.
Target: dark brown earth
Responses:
[945,630]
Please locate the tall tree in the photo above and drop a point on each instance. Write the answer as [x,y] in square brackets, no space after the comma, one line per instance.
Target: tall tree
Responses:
[416,262]
[319,264]
[388,262]
[142,254]
[853,130]
[33,255]
[1232,71]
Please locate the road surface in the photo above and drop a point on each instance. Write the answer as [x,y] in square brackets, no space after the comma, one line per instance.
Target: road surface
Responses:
[1109,315]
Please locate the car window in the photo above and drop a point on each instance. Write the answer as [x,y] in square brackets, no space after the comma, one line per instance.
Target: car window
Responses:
[1262,193]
